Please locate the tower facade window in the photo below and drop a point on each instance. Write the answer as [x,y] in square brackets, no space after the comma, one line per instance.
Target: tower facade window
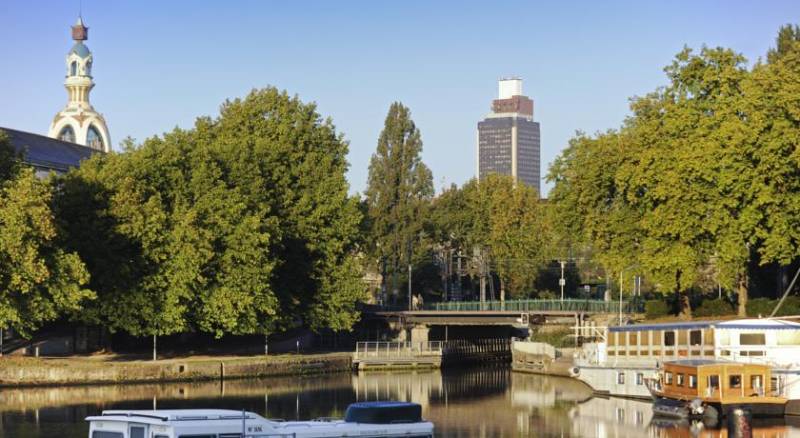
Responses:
[73,68]
[67,134]
[94,139]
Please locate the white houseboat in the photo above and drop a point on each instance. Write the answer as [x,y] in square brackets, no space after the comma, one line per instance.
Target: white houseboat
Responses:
[366,419]
[626,355]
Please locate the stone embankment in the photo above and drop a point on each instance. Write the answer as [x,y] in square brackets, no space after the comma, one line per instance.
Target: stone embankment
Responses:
[541,358]
[106,370]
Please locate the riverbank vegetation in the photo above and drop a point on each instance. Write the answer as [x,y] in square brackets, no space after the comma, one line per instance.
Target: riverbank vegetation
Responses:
[700,186]
[243,223]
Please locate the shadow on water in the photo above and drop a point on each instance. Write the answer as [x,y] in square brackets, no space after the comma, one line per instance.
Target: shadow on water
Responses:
[478,402]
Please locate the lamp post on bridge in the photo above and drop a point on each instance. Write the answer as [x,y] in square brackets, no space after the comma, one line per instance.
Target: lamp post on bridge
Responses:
[561,281]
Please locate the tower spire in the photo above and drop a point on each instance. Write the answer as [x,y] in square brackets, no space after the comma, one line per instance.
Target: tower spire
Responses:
[78,122]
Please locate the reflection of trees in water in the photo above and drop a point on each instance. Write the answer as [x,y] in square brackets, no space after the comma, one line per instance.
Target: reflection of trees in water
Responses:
[477,402]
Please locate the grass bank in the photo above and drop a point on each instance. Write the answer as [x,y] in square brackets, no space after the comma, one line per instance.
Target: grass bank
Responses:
[26,371]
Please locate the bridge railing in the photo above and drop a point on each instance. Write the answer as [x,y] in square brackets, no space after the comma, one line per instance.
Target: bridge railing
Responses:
[570,305]
[398,349]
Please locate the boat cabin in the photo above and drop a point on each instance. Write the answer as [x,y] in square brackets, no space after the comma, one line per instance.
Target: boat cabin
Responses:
[721,384]
[715,380]
[744,340]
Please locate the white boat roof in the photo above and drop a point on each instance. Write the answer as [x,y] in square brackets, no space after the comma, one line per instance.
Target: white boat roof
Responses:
[166,415]
[743,324]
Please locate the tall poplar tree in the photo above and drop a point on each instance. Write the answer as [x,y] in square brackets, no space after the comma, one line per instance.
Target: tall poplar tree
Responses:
[399,191]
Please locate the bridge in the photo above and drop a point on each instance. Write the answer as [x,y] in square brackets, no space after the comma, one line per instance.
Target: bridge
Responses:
[414,324]
[510,312]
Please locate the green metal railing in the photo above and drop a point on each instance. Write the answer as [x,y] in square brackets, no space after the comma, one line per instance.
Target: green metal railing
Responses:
[571,305]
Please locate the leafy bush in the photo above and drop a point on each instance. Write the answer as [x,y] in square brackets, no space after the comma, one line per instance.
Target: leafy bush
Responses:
[656,308]
[560,338]
[764,306]
[715,307]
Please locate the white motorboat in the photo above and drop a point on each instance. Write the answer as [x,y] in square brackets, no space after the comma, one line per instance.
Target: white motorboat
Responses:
[365,419]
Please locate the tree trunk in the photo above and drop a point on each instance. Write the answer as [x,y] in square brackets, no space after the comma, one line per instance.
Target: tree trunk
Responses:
[741,289]
[502,293]
[684,305]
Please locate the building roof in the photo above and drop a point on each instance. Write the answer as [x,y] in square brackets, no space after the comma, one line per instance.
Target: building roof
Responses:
[49,153]
[742,324]
[80,49]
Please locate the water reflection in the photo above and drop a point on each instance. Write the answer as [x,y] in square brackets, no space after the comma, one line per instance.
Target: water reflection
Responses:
[490,402]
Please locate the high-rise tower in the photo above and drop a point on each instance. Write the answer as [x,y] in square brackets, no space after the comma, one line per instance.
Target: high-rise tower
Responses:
[508,138]
[78,122]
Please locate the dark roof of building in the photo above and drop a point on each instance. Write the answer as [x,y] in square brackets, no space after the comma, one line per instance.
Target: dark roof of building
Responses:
[41,151]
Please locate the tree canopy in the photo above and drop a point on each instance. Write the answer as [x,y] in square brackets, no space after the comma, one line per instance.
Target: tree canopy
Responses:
[240,225]
[700,178]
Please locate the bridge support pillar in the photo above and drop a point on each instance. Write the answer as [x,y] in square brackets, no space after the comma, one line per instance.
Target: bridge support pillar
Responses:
[419,333]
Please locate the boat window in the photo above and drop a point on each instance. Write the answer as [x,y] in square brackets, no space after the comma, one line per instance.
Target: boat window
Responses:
[668,378]
[679,379]
[621,378]
[160,436]
[713,381]
[788,337]
[752,353]
[695,337]
[197,436]
[639,378]
[137,432]
[692,381]
[104,434]
[752,339]
[669,338]
[230,435]
[708,337]
[756,382]
[735,381]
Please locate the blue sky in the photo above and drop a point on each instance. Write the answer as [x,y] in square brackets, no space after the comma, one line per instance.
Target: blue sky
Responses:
[160,64]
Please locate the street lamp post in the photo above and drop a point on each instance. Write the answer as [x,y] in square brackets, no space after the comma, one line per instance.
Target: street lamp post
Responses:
[561,281]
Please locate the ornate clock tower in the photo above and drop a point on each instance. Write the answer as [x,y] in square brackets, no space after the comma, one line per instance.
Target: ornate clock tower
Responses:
[78,122]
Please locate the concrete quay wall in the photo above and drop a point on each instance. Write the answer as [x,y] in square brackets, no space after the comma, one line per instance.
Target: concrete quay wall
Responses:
[72,371]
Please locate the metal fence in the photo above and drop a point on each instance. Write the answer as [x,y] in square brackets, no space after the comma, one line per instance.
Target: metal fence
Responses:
[398,349]
[570,305]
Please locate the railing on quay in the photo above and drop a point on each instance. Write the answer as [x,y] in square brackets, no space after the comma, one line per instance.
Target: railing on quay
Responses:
[568,305]
[398,349]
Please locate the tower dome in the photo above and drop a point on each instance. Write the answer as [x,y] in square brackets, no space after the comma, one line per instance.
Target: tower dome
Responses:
[78,122]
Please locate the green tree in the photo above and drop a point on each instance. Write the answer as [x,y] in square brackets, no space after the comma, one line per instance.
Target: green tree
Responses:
[39,282]
[399,190]
[772,100]
[510,228]
[240,225]
[785,42]
[588,203]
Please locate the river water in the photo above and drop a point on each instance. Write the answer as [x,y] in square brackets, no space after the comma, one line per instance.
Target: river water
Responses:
[485,402]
